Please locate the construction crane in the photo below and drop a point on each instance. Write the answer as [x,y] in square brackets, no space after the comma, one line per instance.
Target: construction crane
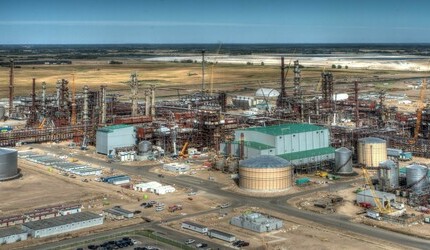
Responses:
[419,111]
[42,124]
[381,208]
[183,150]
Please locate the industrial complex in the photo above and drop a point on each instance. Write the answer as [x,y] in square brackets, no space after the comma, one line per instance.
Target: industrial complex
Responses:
[239,166]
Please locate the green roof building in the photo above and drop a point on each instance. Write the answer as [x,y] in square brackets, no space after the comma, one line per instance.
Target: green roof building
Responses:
[298,143]
[116,136]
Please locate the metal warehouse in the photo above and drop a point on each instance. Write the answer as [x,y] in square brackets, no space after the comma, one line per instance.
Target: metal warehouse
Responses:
[221,235]
[194,227]
[366,196]
[298,143]
[11,235]
[62,224]
[116,136]
[257,222]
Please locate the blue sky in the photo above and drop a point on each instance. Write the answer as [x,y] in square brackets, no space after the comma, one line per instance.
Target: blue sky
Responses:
[201,21]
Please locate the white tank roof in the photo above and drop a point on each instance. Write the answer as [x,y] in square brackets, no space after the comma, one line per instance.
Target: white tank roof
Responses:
[266,92]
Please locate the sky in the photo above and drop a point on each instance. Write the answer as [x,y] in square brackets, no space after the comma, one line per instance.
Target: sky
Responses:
[203,21]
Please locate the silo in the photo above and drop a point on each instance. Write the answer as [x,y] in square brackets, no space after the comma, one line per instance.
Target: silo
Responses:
[390,171]
[343,161]
[266,173]
[416,176]
[8,164]
[372,151]
[144,147]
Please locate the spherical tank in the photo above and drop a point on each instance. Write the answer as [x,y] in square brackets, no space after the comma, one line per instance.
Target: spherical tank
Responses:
[372,151]
[416,176]
[343,161]
[144,147]
[8,164]
[265,173]
[2,111]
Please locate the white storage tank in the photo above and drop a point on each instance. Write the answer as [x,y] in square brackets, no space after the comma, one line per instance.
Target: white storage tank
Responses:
[343,161]
[8,164]
[416,176]
[371,151]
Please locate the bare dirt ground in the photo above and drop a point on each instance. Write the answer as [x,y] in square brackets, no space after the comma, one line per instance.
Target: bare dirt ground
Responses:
[349,208]
[296,234]
[171,78]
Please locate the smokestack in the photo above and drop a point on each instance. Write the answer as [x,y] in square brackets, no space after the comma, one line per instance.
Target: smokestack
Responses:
[33,96]
[203,70]
[85,113]
[73,120]
[103,104]
[153,100]
[58,93]
[147,102]
[11,87]
[44,98]
[242,147]
[357,115]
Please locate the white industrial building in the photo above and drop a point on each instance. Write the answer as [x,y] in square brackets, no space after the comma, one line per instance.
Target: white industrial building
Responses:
[194,227]
[213,233]
[62,224]
[117,136]
[11,235]
[366,196]
[257,222]
[148,186]
[164,189]
[298,143]
[176,167]
[118,213]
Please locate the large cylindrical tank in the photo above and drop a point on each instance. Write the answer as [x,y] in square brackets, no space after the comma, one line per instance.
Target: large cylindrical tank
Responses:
[2,112]
[265,173]
[144,147]
[8,164]
[371,151]
[416,176]
[343,161]
[390,170]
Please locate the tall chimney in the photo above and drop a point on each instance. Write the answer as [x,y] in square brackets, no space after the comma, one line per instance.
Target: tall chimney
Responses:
[11,87]
[203,70]
[103,104]
[44,98]
[153,100]
[147,102]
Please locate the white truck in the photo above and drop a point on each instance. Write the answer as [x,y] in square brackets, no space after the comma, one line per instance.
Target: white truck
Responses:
[373,214]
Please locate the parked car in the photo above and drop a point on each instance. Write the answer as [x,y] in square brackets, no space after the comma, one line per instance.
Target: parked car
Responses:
[201,245]
[189,241]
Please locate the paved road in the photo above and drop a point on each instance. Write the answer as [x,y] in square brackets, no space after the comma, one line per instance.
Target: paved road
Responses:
[278,204]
